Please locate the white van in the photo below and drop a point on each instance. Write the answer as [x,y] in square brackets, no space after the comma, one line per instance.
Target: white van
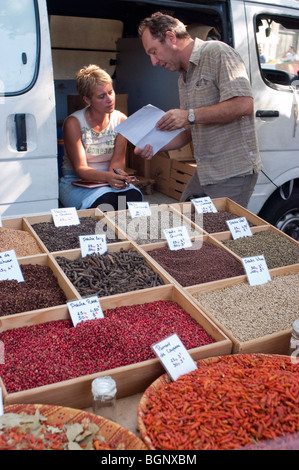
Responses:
[36,73]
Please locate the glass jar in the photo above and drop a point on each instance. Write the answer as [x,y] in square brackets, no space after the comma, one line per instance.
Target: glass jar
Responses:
[104,397]
[294,342]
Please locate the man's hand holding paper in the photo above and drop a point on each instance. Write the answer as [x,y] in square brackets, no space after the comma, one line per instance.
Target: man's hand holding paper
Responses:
[141,130]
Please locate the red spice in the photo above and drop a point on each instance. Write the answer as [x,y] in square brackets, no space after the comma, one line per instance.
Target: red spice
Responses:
[56,351]
[225,405]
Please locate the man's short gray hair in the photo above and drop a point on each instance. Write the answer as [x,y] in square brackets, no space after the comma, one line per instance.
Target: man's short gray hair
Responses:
[159,23]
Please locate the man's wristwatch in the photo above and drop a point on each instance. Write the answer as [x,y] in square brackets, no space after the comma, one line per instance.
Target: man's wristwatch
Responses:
[191,116]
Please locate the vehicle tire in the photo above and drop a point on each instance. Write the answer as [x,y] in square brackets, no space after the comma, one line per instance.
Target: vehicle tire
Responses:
[283,214]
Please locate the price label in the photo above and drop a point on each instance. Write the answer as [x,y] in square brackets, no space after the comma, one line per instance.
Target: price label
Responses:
[93,244]
[9,267]
[239,228]
[174,356]
[203,205]
[1,403]
[256,270]
[177,238]
[85,309]
[139,209]
[65,216]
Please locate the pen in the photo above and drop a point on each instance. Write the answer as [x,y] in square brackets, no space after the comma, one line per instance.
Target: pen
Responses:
[124,181]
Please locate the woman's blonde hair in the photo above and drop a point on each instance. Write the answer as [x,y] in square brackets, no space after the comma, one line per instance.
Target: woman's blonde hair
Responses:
[90,76]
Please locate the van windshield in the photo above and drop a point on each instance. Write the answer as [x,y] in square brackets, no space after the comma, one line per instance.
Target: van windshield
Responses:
[19,46]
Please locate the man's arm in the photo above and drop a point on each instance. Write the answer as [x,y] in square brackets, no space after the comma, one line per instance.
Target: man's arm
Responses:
[220,113]
[179,141]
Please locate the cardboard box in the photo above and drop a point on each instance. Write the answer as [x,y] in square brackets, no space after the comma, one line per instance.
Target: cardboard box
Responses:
[183,153]
[160,167]
[130,379]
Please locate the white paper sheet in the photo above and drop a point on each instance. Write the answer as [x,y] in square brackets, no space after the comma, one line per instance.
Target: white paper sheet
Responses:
[140,128]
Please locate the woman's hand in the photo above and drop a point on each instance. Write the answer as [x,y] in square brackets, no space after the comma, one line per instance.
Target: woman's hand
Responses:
[118,179]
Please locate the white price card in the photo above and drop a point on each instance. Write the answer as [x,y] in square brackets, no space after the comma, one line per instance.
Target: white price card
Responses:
[239,228]
[93,244]
[1,403]
[9,267]
[203,205]
[85,309]
[0,221]
[139,209]
[177,238]
[174,356]
[65,216]
[256,270]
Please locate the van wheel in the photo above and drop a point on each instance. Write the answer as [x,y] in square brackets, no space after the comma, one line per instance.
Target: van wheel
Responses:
[283,214]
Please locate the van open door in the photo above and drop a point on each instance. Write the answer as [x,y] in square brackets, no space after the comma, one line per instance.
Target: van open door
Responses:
[28,140]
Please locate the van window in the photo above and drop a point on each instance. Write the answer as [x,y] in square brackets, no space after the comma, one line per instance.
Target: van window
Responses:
[19,45]
[277,40]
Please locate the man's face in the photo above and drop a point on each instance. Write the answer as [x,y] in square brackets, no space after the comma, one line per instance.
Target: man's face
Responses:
[163,54]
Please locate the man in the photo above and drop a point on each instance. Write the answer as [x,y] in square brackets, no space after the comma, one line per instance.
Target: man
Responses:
[216,109]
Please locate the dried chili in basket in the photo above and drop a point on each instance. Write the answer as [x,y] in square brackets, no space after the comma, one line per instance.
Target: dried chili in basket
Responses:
[227,404]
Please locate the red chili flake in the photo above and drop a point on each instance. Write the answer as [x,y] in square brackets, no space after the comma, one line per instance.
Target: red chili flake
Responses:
[56,351]
[225,405]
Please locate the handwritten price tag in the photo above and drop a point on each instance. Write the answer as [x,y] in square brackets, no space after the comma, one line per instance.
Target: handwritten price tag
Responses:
[65,216]
[93,244]
[174,356]
[257,270]
[177,238]
[9,267]
[203,205]
[139,209]
[85,309]
[239,228]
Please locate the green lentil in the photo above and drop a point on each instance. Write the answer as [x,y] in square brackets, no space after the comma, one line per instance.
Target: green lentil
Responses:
[277,249]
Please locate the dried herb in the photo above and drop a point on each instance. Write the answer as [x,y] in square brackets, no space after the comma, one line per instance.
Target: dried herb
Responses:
[31,432]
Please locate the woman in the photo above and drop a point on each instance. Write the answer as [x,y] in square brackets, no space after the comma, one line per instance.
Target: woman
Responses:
[94,151]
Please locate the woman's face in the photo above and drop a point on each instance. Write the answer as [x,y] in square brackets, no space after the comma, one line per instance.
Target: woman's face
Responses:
[103,98]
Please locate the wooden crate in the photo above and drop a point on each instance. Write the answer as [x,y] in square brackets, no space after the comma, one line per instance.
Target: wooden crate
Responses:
[115,247]
[276,343]
[222,204]
[199,239]
[63,282]
[125,215]
[180,174]
[19,223]
[29,222]
[220,237]
[131,379]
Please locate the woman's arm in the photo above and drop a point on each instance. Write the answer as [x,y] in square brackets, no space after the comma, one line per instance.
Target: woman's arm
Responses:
[77,155]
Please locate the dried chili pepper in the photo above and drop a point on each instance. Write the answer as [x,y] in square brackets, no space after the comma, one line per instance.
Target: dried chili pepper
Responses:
[226,404]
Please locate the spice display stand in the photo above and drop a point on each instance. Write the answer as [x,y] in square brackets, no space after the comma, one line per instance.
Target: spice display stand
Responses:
[134,378]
